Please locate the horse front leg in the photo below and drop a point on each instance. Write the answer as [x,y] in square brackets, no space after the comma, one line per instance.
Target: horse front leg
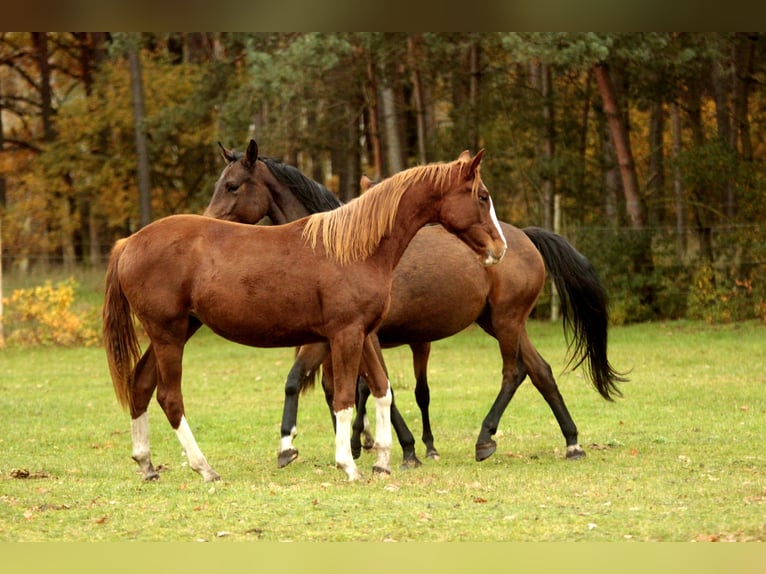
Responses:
[345,352]
[542,378]
[307,361]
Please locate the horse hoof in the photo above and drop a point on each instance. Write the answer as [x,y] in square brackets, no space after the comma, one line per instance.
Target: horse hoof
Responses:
[575,452]
[411,462]
[151,476]
[485,450]
[211,476]
[380,471]
[286,457]
[433,454]
[368,442]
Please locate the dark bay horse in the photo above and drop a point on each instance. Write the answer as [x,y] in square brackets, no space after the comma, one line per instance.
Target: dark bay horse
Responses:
[436,297]
[245,282]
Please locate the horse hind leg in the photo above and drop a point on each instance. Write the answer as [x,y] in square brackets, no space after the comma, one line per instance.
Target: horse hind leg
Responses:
[542,378]
[420,355]
[361,436]
[301,376]
[514,372]
[380,387]
[169,396]
[144,382]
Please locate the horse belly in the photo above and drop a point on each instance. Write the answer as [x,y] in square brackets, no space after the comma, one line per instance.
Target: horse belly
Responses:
[439,288]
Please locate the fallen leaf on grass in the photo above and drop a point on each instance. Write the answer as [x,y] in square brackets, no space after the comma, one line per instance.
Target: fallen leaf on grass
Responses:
[479,500]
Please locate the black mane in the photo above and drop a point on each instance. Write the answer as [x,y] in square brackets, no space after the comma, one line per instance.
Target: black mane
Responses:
[313,195]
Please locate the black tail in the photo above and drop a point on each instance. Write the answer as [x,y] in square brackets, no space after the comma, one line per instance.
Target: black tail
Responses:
[583,308]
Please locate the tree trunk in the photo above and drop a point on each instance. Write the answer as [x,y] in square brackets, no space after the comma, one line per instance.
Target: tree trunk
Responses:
[744,58]
[413,51]
[142,152]
[392,139]
[722,82]
[373,129]
[40,42]
[474,55]
[618,130]
[694,110]
[678,191]
[611,176]
[656,182]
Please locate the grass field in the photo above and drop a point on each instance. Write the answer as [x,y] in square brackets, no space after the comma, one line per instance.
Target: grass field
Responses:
[682,457]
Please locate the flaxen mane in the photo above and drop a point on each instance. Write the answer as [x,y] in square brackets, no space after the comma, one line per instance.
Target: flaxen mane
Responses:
[352,232]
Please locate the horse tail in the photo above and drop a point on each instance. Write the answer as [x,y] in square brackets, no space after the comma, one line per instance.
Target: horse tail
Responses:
[120,339]
[584,308]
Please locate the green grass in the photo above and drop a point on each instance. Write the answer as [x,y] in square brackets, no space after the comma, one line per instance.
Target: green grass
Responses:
[679,458]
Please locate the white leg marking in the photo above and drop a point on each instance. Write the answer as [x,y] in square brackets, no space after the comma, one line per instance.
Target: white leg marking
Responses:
[286,442]
[196,459]
[343,457]
[139,429]
[383,437]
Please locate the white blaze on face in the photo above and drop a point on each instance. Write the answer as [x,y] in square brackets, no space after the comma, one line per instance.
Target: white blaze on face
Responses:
[490,258]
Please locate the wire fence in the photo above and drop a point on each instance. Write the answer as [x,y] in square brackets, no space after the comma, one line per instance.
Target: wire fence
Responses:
[656,272]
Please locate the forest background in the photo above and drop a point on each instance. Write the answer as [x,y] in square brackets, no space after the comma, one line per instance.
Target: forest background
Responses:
[645,150]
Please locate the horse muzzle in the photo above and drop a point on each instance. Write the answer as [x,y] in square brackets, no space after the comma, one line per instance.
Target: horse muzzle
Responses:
[492,258]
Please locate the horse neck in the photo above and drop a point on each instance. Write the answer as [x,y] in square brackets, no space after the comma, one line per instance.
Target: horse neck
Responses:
[418,207]
[284,207]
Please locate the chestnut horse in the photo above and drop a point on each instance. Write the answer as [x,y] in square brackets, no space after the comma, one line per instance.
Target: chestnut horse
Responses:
[245,281]
[436,297]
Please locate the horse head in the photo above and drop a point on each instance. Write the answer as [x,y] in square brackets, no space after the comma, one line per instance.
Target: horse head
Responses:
[240,194]
[468,212]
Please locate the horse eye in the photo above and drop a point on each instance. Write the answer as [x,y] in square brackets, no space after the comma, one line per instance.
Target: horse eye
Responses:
[484,197]
[231,186]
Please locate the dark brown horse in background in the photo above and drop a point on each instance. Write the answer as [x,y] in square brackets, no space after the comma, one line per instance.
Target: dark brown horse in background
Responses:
[436,297]
[245,282]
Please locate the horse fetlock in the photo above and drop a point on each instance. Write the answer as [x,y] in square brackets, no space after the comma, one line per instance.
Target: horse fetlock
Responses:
[148,472]
[380,471]
[209,475]
[352,472]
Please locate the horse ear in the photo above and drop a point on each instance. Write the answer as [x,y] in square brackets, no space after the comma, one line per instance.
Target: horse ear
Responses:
[465,156]
[227,154]
[475,161]
[252,152]
[365,183]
